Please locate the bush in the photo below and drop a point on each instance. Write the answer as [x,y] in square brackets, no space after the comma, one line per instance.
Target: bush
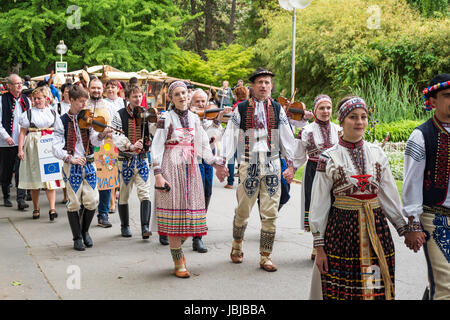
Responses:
[398,131]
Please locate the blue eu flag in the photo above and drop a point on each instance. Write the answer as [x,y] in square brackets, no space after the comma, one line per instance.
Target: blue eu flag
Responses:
[50,168]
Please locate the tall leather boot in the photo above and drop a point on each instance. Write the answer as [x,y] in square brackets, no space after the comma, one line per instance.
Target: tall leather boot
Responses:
[75,226]
[145,218]
[86,220]
[124,220]
[197,245]
[6,197]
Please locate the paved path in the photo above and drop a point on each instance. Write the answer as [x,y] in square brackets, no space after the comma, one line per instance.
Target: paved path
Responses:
[37,260]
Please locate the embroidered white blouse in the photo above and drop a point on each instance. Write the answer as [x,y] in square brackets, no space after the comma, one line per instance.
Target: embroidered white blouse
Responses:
[42,118]
[170,130]
[413,175]
[353,169]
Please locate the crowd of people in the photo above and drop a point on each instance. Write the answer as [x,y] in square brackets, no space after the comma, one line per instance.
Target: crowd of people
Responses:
[348,190]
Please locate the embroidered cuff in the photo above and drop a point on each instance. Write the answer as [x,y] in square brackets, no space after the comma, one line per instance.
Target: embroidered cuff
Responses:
[157,170]
[319,242]
[415,226]
[402,230]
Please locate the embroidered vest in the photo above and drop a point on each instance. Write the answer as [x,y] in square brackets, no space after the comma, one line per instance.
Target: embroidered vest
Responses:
[437,167]
[70,136]
[247,113]
[132,130]
[8,103]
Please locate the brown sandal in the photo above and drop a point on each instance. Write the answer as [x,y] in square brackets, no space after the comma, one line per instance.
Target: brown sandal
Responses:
[267,264]
[38,214]
[237,258]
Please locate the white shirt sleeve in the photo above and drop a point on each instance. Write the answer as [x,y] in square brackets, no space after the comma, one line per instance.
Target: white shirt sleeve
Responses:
[23,120]
[119,139]
[321,201]
[230,136]
[3,134]
[413,175]
[59,140]
[288,143]
[159,140]
[390,199]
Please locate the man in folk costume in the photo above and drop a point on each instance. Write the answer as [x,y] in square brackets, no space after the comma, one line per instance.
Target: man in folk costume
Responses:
[75,146]
[426,191]
[12,104]
[257,127]
[105,109]
[134,169]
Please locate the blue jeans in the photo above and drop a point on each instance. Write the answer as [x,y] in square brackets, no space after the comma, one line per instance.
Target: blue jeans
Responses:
[103,204]
[230,179]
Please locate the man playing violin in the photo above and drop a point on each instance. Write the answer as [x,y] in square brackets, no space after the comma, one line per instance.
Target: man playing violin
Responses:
[133,146]
[75,146]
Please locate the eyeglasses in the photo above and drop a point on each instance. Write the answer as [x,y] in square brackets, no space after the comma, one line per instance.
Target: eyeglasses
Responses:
[17,83]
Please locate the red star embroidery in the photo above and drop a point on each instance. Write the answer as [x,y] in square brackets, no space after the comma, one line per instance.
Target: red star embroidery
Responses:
[363,181]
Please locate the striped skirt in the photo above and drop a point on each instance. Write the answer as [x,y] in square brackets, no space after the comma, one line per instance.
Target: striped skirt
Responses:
[181,211]
[360,252]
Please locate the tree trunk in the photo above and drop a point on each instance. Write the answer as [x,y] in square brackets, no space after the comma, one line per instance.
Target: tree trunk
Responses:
[230,32]
[209,11]
[197,35]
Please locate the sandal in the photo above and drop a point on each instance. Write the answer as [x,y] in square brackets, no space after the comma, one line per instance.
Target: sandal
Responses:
[267,264]
[181,271]
[38,214]
[52,213]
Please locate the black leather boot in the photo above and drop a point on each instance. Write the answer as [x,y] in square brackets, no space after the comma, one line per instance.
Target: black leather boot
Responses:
[163,240]
[197,245]
[145,218]
[124,220]
[75,226]
[6,197]
[86,220]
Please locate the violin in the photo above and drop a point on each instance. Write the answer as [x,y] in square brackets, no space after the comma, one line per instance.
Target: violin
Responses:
[86,120]
[150,115]
[294,110]
[211,113]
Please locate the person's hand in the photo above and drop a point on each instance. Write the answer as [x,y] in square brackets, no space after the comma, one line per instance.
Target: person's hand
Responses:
[10,141]
[308,115]
[321,260]
[137,146]
[414,240]
[21,155]
[288,174]
[160,182]
[221,172]
[81,161]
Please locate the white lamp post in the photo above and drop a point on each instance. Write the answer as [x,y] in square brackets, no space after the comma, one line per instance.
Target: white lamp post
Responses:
[61,48]
[292,5]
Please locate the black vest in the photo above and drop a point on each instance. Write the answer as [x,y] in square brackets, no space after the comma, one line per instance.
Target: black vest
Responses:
[437,167]
[8,103]
[69,137]
[124,118]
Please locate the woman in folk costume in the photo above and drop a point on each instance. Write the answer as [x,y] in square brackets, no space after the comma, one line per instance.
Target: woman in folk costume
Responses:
[355,251]
[315,138]
[35,123]
[179,199]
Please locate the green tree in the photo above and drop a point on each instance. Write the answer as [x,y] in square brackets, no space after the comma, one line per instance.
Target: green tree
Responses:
[128,34]
[431,8]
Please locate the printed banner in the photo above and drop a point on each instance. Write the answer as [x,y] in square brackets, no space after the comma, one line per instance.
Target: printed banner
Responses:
[106,160]
[50,167]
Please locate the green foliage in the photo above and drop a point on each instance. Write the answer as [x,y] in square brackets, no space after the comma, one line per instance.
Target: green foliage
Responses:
[431,8]
[398,131]
[337,46]
[127,34]
[390,97]
[226,63]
